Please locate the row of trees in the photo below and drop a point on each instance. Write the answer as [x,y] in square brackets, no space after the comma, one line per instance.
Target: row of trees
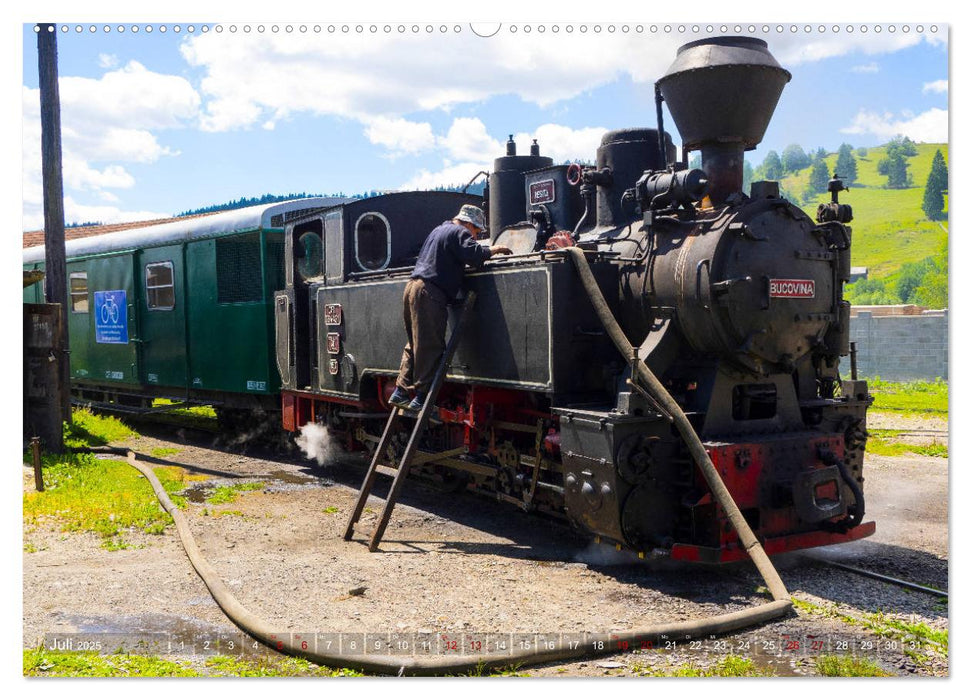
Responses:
[923,283]
[893,166]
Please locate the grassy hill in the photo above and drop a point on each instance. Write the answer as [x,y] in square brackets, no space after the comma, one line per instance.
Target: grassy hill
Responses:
[889,226]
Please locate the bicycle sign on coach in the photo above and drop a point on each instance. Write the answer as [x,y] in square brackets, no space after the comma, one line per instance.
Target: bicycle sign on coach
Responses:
[111,317]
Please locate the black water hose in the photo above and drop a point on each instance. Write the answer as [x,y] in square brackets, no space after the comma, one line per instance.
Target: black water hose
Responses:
[654,387]
[596,645]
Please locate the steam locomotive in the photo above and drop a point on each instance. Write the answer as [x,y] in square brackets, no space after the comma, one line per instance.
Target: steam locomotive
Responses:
[733,300]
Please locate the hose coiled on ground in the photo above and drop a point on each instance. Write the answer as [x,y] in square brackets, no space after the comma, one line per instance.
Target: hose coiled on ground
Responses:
[429,665]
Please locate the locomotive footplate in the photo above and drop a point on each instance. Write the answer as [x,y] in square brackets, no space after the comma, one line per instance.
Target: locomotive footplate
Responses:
[787,489]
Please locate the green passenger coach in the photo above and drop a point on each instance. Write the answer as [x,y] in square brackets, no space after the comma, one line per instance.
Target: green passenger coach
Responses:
[181,310]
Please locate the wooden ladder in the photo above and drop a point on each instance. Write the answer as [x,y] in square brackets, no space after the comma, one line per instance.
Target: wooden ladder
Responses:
[409,457]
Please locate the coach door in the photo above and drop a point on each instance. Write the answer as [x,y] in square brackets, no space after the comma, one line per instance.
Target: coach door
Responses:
[101,319]
[162,309]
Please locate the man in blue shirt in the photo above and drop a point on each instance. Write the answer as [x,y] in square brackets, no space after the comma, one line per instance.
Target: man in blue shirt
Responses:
[435,282]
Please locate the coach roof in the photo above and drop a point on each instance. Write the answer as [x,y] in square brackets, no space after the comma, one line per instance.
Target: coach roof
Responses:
[223,223]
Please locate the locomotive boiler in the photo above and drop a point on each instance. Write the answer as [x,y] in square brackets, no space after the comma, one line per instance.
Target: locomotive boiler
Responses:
[733,300]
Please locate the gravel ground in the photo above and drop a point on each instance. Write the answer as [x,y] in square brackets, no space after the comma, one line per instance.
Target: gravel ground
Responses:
[455,566]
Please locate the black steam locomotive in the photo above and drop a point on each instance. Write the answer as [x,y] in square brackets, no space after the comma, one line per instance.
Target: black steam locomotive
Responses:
[733,300]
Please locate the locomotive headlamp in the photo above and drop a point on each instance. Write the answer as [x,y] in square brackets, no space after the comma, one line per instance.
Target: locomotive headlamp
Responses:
[662,189]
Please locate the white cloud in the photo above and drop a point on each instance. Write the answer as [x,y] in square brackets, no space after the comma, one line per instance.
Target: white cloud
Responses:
[450,174]
[105,123]
[928,127]
[107,60]
[467,139]
[561,143]
[250,78]
[79,175]
[77,212]
[871,67]
[467,148]
[935,86]
[130,97]
[400,136]
[791,49]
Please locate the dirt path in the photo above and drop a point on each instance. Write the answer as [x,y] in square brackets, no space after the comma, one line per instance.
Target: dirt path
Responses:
[455,566]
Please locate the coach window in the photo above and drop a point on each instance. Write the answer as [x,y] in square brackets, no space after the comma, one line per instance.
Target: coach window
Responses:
[372,241]
[160,286]
[79,292]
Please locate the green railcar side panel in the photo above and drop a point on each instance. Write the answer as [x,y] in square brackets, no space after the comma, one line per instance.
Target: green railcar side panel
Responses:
[162,315]
[104,338]
[229,338]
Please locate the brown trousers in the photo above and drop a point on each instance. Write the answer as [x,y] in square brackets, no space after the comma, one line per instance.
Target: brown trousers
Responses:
[426,317]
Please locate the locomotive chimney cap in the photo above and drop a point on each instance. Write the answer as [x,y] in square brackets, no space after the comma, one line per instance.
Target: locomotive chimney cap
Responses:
[723,90]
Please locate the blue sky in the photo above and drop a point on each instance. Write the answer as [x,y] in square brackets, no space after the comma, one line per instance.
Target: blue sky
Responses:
[155,123]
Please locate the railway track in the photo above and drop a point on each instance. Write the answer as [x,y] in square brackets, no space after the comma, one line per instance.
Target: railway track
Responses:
[881,577]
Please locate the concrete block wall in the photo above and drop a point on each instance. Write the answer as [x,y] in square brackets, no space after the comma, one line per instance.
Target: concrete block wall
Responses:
[900,348]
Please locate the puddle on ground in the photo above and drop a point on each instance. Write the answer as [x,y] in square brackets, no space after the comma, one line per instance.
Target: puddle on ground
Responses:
[197,493]
[154,634]
[275,481]
[288,477]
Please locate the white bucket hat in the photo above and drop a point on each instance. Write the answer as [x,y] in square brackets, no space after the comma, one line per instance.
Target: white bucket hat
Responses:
[473,215]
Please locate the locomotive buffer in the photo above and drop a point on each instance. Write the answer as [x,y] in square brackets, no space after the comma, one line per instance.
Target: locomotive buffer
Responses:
[416,433]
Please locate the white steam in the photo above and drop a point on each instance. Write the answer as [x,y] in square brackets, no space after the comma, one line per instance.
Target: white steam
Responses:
[316,443]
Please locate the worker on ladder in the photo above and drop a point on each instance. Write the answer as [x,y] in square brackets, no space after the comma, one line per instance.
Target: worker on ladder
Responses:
[435,282]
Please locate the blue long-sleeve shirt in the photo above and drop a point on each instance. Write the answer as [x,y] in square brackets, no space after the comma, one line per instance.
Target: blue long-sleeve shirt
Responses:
[444,255]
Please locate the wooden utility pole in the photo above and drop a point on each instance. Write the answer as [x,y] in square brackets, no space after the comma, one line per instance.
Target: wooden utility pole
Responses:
[55,278]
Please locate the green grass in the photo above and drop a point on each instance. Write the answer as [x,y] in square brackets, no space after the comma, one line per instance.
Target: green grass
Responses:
[41,662]
[730,667]
[105,496]
[848,667]
[228,494]
[923,635]
[165,451]
[90,430]
[879,446]
[889,226]
[200,411]
[930,398]
[274,667]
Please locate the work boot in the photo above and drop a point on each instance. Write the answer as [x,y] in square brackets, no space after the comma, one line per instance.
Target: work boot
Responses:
[399,398]
[417,403]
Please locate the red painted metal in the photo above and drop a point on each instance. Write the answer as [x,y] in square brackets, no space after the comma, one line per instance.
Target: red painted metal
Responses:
[772,545]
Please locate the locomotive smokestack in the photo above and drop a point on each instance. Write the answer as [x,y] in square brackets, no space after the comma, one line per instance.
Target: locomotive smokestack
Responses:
[721,92]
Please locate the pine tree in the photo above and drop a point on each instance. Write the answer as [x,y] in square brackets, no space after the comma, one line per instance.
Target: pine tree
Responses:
[772,166]
[794,158]
[819,177]
[936,187]
[896,171]
[846,164]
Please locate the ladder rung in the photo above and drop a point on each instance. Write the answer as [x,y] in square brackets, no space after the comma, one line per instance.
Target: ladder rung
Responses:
[411,455]
[385,470]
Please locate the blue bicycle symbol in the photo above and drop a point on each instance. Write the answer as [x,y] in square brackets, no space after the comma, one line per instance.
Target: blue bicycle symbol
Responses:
[110,311]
